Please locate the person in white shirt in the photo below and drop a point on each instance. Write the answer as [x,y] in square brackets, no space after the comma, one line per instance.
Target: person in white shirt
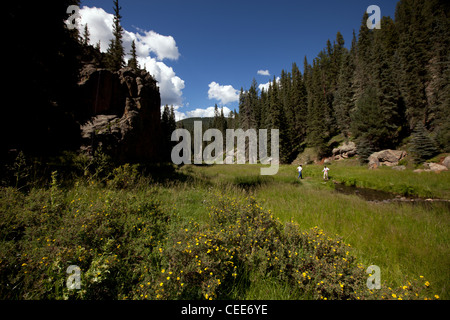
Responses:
[300,169]
[325,172]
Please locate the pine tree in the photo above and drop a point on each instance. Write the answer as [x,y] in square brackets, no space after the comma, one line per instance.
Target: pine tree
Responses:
[133,60]
[315,130]
[264,107]
[413,55]
[438,69]
[86,35]
[246,110]
[442,122]
[299,112]
[321,121]
[166,133]
[223,124]
[363,59]
[172,124]
[367,124]
[423,147]
[115,54]
[215,122]
[383,73]
[253,102]
[236,119]
[343,97]
[277,119]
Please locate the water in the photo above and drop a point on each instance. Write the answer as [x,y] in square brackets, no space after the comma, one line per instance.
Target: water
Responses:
[366,194]
[379,196]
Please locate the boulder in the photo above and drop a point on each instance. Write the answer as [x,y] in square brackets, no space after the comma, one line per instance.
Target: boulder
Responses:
[436,167]
[348,149]
[399,168]
[446,162]
[386,158]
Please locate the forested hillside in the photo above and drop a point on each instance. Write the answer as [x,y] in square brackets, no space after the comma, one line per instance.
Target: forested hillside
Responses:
[392,83]
[388,87]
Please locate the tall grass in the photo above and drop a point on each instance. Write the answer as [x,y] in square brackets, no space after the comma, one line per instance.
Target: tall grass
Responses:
[401,238]
[258,237]
[406,183]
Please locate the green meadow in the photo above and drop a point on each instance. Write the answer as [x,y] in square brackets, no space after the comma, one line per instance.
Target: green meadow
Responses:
[401,238]
[226,232]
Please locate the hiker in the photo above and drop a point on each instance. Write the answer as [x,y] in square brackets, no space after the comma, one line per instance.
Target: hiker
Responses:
[325,172]
[300,169]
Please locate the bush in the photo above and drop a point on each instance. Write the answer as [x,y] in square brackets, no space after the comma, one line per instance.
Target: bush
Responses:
[129,247]
[242,245]
[124,177]
[110,238]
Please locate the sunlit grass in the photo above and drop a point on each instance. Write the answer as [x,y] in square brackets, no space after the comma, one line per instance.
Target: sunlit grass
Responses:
[401,238]
[135,239]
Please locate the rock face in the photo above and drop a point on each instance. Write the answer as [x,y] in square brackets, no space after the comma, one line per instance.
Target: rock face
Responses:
[121,113]
[386,157]
[347,150]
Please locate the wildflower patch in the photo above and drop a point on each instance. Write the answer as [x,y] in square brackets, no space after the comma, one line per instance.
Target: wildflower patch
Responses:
[127,244]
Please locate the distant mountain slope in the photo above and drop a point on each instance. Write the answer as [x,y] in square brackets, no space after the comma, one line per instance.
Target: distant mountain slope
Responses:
[189,122]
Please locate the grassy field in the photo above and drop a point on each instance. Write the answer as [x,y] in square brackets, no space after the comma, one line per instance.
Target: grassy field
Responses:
[401,238]
[225,232]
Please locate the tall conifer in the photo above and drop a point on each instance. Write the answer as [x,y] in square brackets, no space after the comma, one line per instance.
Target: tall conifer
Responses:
[133,60]
[115,54]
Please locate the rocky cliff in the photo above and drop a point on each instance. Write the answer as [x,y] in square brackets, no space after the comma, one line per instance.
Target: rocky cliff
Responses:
[120,111]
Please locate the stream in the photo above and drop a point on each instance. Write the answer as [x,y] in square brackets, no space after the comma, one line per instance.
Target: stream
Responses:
[378,196]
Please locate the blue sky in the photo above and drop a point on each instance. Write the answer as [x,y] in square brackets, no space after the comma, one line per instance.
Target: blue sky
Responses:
[203,52]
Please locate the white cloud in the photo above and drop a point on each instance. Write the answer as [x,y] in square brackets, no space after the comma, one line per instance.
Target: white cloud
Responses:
[265,86]
[264,72]
[179,115]
[147,42]
[224,94]
[170,85]
[100,25]
[164,47]
[208,112]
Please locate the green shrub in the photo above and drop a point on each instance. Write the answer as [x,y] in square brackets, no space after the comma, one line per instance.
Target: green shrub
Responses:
[124,177]
[108,234]
[129,246]
[403,162]
[406,190]
[244,244]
